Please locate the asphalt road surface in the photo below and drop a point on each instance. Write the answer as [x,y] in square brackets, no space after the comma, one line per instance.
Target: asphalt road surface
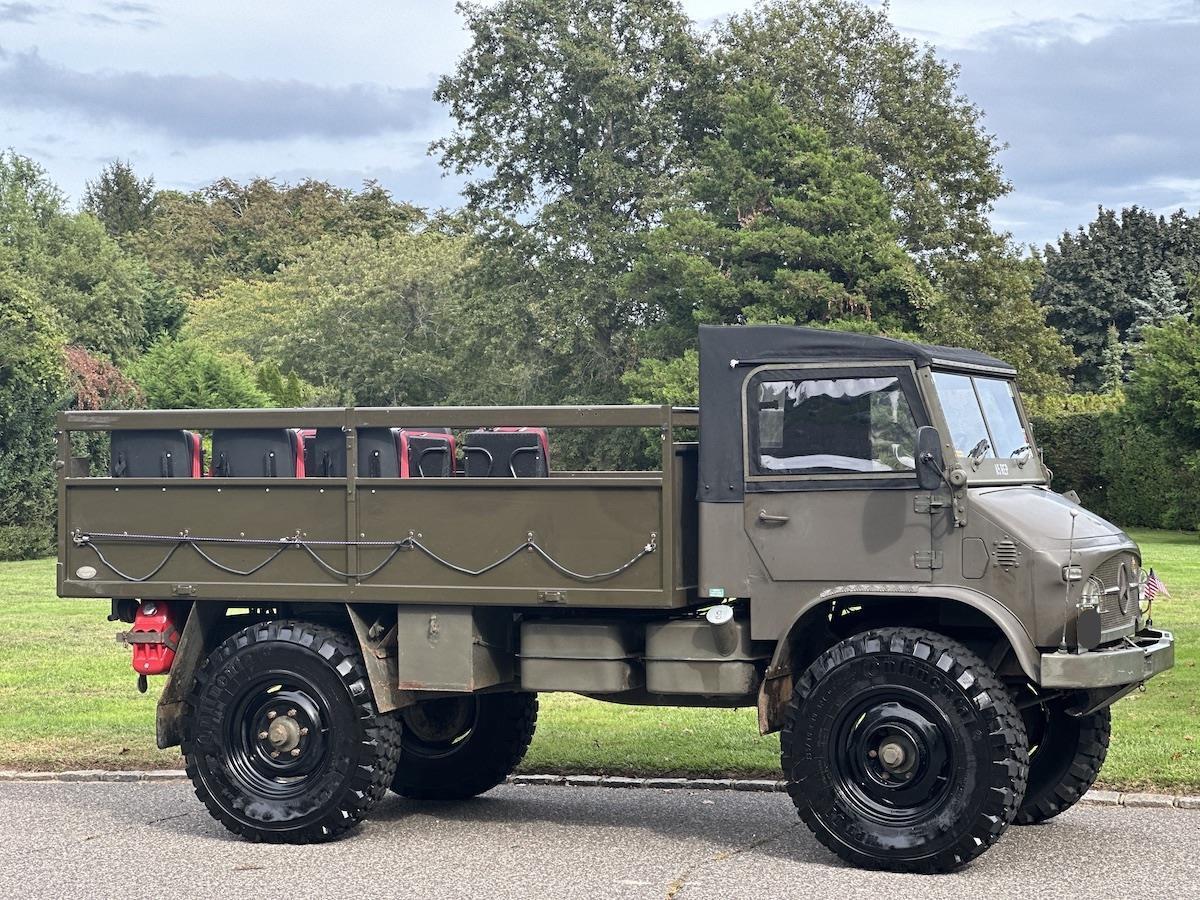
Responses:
[155,841]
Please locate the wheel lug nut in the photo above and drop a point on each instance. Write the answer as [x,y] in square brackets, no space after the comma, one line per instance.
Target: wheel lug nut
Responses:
[872,754]
[296,752]
[262,735]
[272,714]
[292,713]
[274,754]
[303,732]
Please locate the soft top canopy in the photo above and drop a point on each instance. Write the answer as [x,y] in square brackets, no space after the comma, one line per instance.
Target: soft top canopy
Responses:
[727,351]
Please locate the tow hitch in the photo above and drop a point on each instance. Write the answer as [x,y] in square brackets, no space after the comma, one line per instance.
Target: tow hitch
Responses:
[154,639]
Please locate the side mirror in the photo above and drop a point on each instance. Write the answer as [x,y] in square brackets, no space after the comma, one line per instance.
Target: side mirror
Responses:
[930,463]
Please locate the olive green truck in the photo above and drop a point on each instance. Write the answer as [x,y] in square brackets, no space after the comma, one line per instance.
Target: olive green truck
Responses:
[853,534]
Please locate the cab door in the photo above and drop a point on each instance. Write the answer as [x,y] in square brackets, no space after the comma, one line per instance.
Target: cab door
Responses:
[831,492]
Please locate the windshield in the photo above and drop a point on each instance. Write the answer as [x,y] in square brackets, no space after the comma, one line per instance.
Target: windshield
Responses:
[983,416]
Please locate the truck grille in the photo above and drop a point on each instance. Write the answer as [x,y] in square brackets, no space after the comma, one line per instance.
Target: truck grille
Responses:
[1111,617]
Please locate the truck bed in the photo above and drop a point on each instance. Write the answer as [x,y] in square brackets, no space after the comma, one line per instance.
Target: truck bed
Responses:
[577,539]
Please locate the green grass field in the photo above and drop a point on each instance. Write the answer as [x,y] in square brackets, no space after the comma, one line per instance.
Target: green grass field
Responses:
[67,699]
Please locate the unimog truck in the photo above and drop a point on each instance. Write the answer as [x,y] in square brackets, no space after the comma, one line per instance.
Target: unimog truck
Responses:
[853,534]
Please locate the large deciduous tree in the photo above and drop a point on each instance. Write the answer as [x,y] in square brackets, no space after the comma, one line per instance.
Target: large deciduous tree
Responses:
[571,115]
[70,262]
[197,240]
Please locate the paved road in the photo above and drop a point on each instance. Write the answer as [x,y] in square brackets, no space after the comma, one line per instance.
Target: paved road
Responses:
[154,840]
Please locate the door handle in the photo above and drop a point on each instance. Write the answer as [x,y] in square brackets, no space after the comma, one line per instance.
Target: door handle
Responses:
[767,519]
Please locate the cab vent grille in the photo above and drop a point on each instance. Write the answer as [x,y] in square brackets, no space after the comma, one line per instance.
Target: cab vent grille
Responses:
[1005,554]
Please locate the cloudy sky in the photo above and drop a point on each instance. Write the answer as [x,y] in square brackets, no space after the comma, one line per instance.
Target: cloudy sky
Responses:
[1096,99]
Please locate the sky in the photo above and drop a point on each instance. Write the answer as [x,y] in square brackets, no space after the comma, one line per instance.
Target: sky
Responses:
[1095,101]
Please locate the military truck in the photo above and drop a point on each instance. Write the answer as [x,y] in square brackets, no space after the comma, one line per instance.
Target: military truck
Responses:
[853,534]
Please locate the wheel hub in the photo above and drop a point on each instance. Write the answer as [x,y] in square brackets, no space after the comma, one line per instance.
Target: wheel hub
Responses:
[284,734]
[893,757]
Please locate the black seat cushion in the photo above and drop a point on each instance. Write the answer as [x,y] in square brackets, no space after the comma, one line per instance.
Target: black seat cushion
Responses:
[155,454]
[377,456]
[425,453]
[506,453]
[258,453]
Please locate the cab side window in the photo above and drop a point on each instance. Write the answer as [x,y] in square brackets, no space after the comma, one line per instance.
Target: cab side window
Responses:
[832,426]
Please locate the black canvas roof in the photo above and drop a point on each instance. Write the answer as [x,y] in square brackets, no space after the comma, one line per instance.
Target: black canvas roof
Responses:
[726,352]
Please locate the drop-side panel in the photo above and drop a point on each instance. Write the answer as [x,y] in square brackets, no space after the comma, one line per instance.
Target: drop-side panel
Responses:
[591,530]
[233,509]
[587,527]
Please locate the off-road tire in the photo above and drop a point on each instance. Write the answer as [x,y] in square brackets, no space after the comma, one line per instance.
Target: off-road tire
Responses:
[472,762]
[967,752]
[347,755]
[1065,761]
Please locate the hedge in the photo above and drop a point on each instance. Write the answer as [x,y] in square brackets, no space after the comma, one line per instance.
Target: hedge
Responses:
[1122,469]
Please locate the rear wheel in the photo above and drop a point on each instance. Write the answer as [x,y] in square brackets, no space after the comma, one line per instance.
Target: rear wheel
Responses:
[457,747]
[1066,753]
[282,740]
[903,751]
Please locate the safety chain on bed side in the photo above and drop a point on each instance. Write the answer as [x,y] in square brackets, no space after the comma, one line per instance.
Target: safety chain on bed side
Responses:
[412,542]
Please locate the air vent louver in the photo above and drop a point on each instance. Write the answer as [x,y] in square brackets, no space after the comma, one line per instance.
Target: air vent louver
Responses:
[1005,554]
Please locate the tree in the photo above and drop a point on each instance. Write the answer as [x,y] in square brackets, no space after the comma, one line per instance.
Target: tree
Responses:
[1164,386]
[121,201]
[572,116]
[1112,362]
[284,390]
[1103,273]
[32,388]
[376,321]
[183,374]
[70,262]
[776,227]
[230,230]
[842,66]
[1159,303]
[986,305]
[93,382]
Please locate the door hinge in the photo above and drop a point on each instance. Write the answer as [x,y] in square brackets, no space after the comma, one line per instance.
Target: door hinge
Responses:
[924,503]
[927,559]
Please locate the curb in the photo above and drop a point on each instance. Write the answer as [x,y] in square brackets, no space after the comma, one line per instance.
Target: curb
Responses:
[1133,800]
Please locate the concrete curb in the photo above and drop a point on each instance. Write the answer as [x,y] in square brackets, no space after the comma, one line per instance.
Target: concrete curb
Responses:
[1132,800]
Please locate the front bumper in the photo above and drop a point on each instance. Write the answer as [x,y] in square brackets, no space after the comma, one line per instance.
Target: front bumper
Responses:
[1152,652]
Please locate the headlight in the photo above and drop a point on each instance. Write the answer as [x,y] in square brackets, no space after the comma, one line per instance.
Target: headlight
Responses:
[1093,591]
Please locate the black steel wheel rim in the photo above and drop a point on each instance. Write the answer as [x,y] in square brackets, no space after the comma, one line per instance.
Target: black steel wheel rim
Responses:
[893,756]
[277,736]
[437,728]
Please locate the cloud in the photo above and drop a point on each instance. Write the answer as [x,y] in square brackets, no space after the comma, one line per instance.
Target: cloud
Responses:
[1109,120]
[204,108]
[22,13]
[121,15]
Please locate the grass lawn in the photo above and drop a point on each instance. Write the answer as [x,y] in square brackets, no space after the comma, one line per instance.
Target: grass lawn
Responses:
[67,699]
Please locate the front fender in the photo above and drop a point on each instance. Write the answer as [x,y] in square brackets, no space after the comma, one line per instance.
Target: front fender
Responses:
[776,685]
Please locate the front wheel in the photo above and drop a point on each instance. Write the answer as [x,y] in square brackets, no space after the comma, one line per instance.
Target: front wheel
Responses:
[903,751]
[460,746]
[282,740]
[1064,760]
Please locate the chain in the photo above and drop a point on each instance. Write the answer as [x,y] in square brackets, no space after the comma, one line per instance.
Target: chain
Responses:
[411,542]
